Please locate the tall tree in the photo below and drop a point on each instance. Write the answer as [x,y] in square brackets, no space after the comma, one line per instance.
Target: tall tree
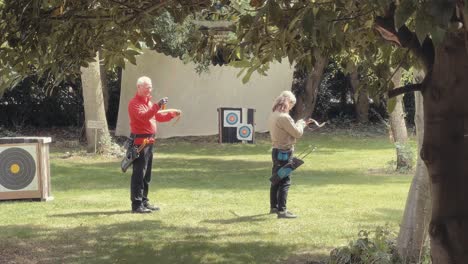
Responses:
[61,38]
[361,97]
[416,217]
[398,128]
[307,99]
[434,33]
[94,107]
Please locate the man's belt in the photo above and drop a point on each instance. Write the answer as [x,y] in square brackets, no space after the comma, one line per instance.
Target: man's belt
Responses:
[141,135]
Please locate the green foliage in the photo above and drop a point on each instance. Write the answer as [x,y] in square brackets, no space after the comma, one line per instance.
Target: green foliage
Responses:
[273,30]
[371,247]
[404,11]
[33,104]
[59,37]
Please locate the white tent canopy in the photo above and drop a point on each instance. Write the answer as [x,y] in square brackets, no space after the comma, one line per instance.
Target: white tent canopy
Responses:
[199,96]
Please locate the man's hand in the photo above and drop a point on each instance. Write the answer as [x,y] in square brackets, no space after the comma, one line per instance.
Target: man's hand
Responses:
[163,101]
[177,112]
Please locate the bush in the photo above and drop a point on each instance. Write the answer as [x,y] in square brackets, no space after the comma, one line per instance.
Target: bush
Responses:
[374,247]
[380,248]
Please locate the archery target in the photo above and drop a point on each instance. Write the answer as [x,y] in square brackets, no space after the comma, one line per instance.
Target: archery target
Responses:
[18,168]
[244,132]
[232,118]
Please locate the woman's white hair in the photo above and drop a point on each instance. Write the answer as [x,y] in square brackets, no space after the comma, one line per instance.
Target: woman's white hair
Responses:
[280,101]
[289,95]
[142,80]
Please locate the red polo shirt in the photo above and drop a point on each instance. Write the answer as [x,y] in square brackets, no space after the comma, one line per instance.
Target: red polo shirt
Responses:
[143,116]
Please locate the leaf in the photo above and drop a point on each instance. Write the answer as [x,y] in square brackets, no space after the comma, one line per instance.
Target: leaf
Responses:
[369,23]
[345,28]
[131,59]
[274,11]
[84,64]
[391,103]
[293,22]
[248,75]
[437,35]
[246,20]
[442,12]
[241,72]
[308,22]
[131,52]
[240,64]
[403,12]
[423,26]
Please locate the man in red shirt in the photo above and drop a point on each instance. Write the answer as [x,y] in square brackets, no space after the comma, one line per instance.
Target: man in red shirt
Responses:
[143,116]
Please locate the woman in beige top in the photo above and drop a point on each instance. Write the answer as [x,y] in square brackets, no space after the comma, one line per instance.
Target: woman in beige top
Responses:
[283,132]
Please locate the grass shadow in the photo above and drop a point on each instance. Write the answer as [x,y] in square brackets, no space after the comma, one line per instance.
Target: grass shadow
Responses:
[144,241]
[203,173]
[94,213]
[239,219]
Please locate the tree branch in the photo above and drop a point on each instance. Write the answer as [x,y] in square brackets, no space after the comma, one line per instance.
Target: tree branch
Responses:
[405,38]
[352,17]
[405,89]
[146,11]
[125,5]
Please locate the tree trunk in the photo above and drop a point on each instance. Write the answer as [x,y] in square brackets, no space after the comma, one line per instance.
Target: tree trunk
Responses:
[445,150]
[398,129]
[415,222]
[105,86]
[361,99]
[94,107]
[306,101]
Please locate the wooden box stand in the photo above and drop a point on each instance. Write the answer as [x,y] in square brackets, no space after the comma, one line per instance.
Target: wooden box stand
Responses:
[25,168]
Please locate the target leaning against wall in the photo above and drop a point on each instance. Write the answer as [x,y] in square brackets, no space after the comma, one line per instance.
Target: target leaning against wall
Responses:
[244,132]
[232,118]
[24,168]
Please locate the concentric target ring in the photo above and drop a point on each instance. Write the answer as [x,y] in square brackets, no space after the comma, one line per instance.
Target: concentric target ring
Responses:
[244,132]
[232,118]
[17,168]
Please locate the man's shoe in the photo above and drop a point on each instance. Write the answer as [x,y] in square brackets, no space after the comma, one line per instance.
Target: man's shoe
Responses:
[141,210]
[286,214]
[273,210]
[151,207]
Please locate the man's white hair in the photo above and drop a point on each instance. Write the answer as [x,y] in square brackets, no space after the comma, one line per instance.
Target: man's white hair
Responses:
[142,80]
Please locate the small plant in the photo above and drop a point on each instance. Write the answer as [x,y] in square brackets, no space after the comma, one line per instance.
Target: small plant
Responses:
[371,247]
[404,157]
[109,147]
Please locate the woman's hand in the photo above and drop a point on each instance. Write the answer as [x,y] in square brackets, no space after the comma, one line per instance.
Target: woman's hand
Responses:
[310,121]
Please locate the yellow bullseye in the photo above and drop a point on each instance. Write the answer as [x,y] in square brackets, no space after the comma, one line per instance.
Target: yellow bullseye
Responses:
[14,168]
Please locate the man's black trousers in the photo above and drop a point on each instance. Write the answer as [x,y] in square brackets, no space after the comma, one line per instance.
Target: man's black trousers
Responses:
[141,177]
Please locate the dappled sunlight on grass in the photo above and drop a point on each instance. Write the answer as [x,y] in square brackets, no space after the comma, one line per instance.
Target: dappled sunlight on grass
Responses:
[215,205]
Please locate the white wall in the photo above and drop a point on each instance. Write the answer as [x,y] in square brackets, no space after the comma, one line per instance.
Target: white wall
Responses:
[199,96]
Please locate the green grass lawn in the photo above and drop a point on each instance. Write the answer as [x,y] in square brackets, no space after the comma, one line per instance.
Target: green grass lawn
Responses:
[215,204]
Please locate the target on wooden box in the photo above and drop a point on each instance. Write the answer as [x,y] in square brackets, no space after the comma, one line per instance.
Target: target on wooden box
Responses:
[232,118]
[24,168]
[236,125]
